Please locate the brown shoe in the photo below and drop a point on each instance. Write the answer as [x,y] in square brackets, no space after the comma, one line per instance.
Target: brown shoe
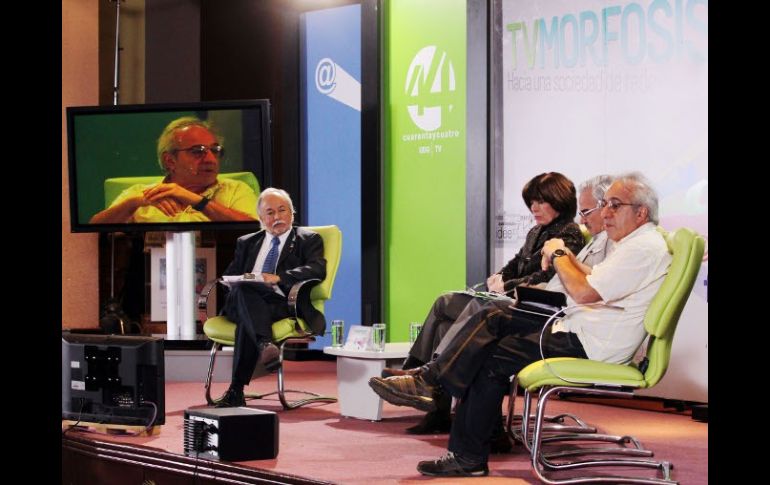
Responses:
[269,355]
[410,391]
[391,371]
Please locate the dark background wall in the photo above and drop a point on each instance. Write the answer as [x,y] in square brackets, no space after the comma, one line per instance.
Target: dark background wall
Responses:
[251,50]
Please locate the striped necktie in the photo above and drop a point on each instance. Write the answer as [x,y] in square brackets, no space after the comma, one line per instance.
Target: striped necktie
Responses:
[272,257]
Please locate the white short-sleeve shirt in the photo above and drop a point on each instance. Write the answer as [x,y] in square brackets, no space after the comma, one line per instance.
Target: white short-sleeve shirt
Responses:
[628,278]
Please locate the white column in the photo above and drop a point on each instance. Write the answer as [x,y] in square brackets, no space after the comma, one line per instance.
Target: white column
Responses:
[180,285]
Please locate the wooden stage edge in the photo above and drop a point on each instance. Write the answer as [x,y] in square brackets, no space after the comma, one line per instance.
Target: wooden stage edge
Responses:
[95,461]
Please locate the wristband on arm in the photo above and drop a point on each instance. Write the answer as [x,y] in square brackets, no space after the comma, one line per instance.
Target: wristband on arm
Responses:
[202,204]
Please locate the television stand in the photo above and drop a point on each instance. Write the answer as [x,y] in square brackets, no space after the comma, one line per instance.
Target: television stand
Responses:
[180,286]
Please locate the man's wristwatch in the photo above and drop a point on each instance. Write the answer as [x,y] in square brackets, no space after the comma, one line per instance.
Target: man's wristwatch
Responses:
[557,253]
[200,205]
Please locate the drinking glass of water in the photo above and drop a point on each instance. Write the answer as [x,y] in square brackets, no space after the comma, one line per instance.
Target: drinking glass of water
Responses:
[338,331]
[414,331]
[378,337]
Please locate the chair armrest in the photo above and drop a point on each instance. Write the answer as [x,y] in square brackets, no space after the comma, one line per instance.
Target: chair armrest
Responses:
[203,299]
[292,299]
[294,294]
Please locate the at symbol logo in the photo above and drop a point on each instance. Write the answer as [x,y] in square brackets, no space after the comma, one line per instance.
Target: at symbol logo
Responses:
[325,75]
[428,77]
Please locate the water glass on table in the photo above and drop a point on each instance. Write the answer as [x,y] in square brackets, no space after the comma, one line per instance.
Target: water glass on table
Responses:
[378,337]
[338,332]
[414,331]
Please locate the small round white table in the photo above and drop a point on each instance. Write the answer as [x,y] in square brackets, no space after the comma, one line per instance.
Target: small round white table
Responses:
[354,368]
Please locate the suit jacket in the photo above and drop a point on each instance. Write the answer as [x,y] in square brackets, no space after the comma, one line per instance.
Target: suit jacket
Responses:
[302,258]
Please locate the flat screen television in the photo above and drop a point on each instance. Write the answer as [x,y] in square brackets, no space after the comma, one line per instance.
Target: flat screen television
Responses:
[115,158]
[112,379]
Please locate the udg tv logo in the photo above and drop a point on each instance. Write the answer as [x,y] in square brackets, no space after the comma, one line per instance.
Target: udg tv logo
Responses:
[427,79]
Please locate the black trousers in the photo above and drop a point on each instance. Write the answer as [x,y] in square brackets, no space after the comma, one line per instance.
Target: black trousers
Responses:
[253,308]
[477,365]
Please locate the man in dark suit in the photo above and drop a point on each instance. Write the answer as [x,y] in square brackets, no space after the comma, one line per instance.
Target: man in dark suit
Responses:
[280,256]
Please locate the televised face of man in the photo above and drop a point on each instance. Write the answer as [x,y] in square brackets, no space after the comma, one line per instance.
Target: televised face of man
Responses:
[193,163]
[275,214]
[590,212]
[621,216]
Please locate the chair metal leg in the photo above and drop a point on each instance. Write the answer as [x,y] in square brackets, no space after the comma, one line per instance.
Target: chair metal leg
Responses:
[541,463]
[212,358]
[314,397]
[521,432]
[300,402]
[559,432]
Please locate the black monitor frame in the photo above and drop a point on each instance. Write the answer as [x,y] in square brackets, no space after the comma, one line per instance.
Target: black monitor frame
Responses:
[262,168]
[113,379]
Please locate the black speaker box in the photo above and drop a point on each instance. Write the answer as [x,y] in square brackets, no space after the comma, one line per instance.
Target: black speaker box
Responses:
[231,434]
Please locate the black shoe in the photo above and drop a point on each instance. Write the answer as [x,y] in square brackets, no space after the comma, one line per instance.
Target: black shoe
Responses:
[500,443]
[269,355]
[451,465]
[232,398]
[435,422]
[410,391]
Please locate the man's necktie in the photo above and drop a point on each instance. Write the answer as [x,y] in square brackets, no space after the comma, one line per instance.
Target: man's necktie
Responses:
[272,257]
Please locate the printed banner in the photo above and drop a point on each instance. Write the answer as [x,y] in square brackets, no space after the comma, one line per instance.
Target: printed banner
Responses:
[424,157]
[331,155]
[607,87]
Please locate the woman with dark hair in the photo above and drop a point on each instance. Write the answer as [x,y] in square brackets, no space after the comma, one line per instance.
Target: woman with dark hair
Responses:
[552,200]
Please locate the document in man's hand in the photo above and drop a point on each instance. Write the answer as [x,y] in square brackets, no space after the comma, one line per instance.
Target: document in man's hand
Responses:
[229,280]
[487,295]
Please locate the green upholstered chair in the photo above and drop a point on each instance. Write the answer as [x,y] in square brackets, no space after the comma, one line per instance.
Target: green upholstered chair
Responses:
[287,331]
[565,376]
[586,233]
[114,186]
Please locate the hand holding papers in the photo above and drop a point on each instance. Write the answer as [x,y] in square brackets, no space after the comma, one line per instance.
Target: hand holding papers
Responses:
[229,280]
[486,295]
[495,283]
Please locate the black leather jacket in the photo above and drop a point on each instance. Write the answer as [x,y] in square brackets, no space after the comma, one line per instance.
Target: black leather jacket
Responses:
[524,268]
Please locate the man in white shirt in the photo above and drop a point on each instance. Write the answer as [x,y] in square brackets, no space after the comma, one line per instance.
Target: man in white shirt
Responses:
[497,343]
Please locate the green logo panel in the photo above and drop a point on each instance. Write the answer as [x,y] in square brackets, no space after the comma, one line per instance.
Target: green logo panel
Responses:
[424,99]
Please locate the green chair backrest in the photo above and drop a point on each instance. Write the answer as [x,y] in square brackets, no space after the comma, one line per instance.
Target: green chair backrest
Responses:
[332,237]
[586,233]
[114,186]
[660,321]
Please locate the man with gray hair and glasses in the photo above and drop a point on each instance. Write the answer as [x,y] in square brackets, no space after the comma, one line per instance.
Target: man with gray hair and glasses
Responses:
[591,193]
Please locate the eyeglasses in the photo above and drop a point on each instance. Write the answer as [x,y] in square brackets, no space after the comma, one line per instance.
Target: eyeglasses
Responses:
[613,204]
[199,151]
[588,212]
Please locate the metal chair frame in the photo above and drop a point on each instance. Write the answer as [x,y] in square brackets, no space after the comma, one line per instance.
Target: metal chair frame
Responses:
[302,337]
[660,328]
